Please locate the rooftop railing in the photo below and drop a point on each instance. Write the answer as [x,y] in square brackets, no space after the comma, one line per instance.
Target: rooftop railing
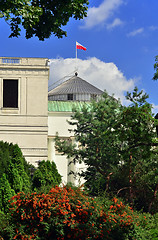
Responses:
[11,60]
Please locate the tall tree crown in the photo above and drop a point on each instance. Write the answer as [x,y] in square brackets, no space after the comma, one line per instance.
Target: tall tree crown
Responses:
[41,17]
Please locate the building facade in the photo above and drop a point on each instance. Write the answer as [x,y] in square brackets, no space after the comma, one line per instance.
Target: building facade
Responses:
[28,119]
[59,113]
[23,105]
[75,92]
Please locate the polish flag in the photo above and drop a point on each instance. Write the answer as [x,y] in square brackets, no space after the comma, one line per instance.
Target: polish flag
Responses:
[79,46]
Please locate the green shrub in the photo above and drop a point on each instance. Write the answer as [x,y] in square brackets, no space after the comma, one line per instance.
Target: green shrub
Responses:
[151,229]
[14,173]
[65,213]
[6,192]
[46,176]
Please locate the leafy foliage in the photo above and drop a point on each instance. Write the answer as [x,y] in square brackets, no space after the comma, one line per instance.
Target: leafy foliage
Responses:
[6,192]
[14,173]
[117,145]
[156,68]
[40,17]
[95,133]
[66,213]
[46,176]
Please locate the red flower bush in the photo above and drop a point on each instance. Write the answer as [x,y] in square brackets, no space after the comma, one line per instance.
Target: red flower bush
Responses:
[65,213]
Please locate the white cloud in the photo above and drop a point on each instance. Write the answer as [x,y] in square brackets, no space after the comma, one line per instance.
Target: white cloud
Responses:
[135,32]
[115,23]
[105,76]
[99,15]
[153,28]
[154,109]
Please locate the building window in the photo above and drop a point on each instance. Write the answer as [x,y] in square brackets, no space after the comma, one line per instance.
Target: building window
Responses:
[10,93]
[70,97]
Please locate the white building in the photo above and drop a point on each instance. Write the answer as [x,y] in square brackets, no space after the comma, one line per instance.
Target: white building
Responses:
[23,105]
[30,120]
[73,92]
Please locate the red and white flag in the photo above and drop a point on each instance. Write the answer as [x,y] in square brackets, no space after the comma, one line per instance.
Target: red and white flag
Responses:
[79,46]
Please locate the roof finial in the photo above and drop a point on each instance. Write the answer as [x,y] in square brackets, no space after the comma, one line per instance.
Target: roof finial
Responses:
[76,74]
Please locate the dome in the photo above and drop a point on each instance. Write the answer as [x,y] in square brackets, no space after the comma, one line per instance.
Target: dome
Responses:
[74,88]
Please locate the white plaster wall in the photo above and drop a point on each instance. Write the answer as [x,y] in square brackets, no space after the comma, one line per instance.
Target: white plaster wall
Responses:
[26,125]
[57,122]
[62,166]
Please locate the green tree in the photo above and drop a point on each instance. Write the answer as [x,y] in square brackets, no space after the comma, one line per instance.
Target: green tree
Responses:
[40,17]
[117,147]
[6,192]
[137,134]
[156,68]
[46,176]
[14,173]
[100,145]
[12,153]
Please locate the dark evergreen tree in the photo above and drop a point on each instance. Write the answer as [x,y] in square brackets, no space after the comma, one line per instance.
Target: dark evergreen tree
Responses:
[6,192]
[14,171]
[46,176]
[15,174]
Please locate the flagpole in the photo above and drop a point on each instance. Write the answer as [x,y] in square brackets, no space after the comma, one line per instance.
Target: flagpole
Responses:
[76,50]
[76,56]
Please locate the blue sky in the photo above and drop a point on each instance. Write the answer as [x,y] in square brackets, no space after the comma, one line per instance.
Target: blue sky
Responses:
[121,37]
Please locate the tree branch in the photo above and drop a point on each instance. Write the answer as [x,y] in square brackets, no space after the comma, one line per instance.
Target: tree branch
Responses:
[122,190]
